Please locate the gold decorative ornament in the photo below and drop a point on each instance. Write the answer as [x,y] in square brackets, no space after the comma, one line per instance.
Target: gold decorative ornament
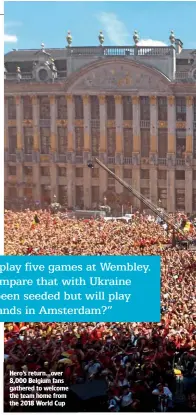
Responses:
[153,100]
[18,99]
[189,143]
[135,100]
[171,100]
[102,99]
[118,99]
[127,124]
[189,101]
[52,99]
[162,124]
[111,123]
[180,125]
[85,99]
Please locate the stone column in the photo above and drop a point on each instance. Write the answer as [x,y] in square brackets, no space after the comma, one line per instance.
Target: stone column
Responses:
[189,156]
[87,153]
[19,151]
[136,148]
[36,149]
[189,125]
[153,150]
[71,152]
[171,156]
[103,176]
[6,146]
[119,142]
[53,147]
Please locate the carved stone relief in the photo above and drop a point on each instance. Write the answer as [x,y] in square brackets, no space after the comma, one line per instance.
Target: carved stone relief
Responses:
[122,77]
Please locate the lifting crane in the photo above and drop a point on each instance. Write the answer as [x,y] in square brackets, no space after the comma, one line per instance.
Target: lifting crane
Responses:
[162,215]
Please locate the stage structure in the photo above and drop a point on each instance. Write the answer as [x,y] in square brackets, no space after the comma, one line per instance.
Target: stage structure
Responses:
[161,214]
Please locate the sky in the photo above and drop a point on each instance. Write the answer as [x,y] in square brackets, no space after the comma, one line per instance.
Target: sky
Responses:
[29,23]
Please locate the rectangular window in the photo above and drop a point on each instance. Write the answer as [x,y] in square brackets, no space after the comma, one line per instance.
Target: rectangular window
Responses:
[180,175]
[144,108]
[111,142]
[162,143]
[194,174]
[61,108]
[180,199]
[95,195]
[12,170]
[79,112]
[79,172]
[180,143]
[128,141]
[45,171]
[162,174]
[27,108]
[127,173]
[180,109]
[62,140]
[162,198]
[12,140]
[44,108]
[95,112]
[95,173]
[11,108]
[28,170]
[62,171]
[28,140]
[145,142]
[79,197]
[45,140]
[162,108]
[95,137]
[145,174]
[127,109]
[110,105]
[79,139]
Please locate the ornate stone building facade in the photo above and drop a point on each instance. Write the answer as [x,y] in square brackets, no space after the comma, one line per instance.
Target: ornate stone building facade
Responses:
[132,107]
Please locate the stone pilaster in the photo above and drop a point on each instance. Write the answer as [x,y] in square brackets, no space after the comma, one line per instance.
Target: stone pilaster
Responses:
[53,143]
[36,149]
[6,140]
[189,124]
[70,123]
[153,184]
[103,117]
[136,124]
[153,150]
[171,125]
[119,124]
[136,185]
[71,185]
[36,181]
[103,175]
[119,172]
[6,145]
[19,166]
[87,152]
[53,147]
[36,127]
[19,118]
[153,125]
[171,192]
[188,190]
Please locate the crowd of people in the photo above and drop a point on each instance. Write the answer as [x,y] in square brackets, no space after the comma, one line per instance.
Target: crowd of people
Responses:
[145,366]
